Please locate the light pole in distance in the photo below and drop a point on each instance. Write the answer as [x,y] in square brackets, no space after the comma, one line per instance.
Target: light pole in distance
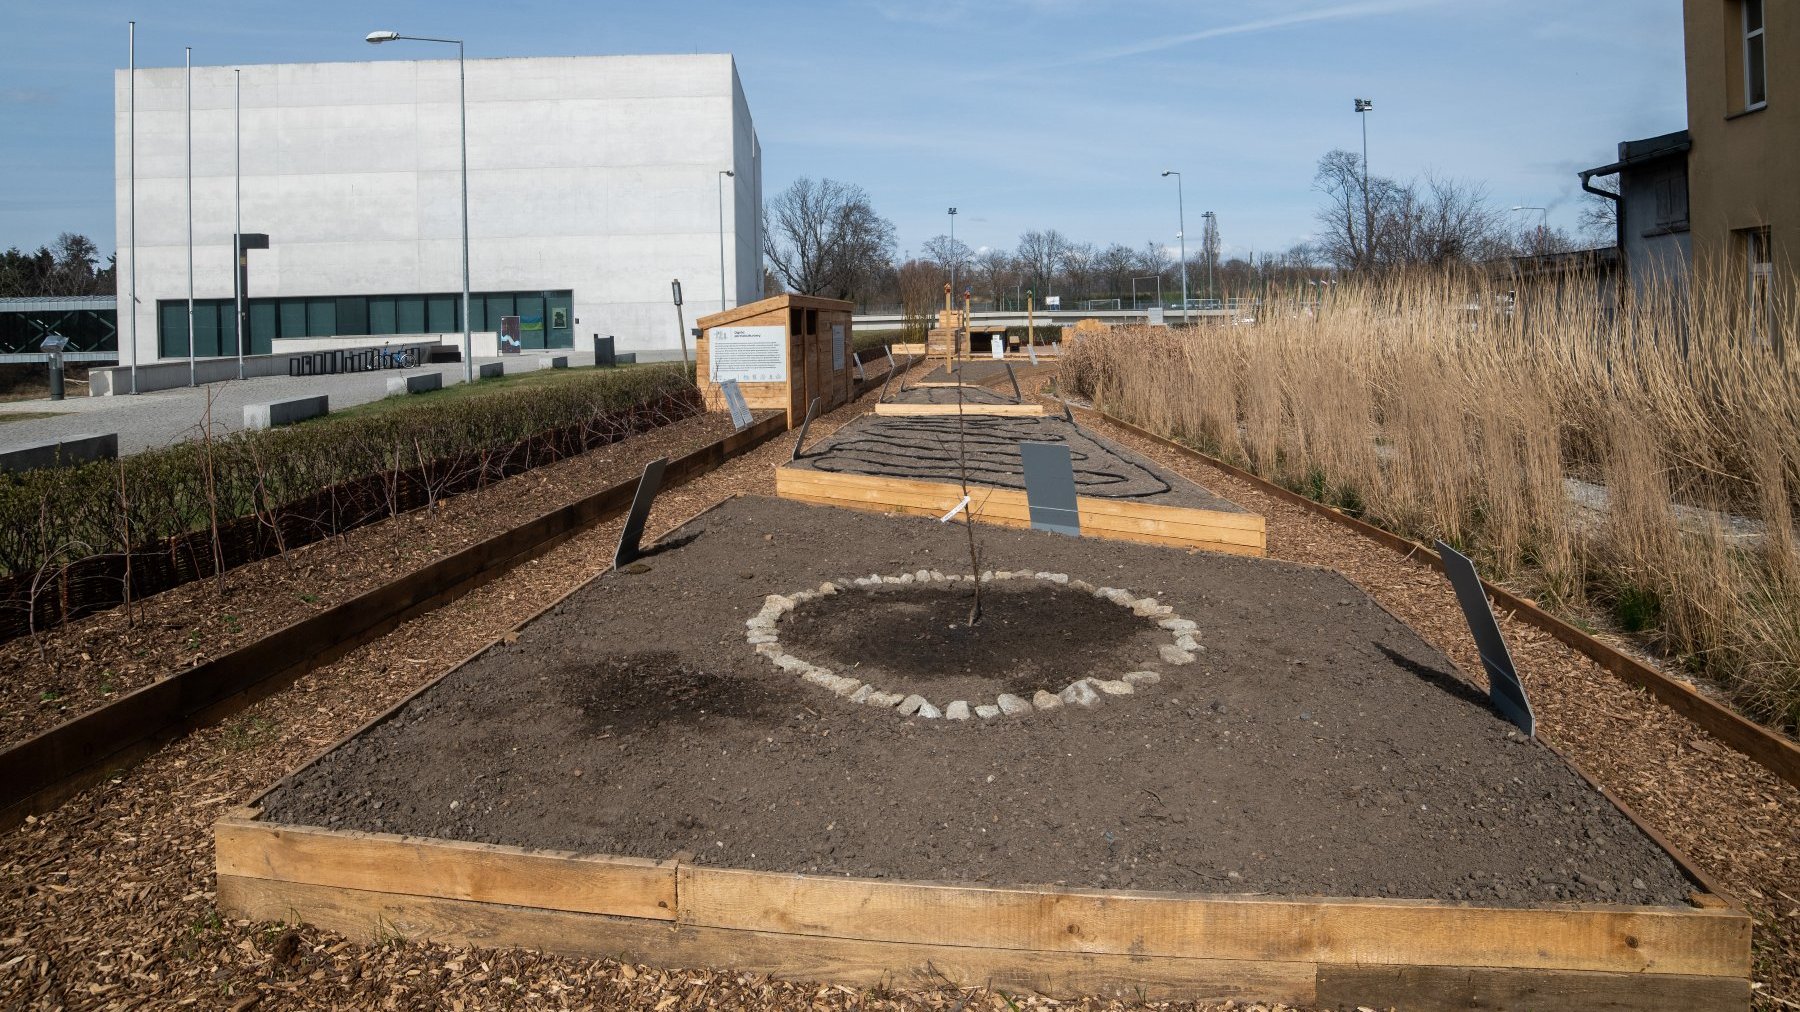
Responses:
[1543,221]
[462,101]
[1363,107]
[952,250]
[1181,219]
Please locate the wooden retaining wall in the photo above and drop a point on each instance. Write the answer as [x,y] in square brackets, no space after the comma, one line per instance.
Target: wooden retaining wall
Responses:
[1417,954]
[1116,519]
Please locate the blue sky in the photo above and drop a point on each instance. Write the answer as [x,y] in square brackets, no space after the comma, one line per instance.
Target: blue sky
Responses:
[1022,113]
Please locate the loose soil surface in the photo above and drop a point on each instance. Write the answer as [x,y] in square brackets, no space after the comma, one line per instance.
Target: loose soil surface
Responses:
[1032,635]
[1318,746]
[929,448]
[971,395]
[988,372]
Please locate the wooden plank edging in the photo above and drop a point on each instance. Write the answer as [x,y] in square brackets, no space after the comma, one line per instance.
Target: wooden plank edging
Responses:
[38,773]
[1768,748]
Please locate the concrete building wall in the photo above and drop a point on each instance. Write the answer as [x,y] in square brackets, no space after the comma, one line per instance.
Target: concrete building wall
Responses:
[1741,169]
[598,175]
[1654,223]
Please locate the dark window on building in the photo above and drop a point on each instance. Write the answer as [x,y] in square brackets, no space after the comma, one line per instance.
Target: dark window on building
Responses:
[1756,84]
[440,314]
[352,315]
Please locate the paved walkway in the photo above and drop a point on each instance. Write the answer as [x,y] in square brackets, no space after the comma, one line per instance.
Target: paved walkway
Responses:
[156,419]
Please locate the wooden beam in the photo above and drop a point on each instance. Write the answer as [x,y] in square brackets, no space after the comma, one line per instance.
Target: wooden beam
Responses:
[375,916]
[445,869]
[891,408]
[1464,987]
[1346,931]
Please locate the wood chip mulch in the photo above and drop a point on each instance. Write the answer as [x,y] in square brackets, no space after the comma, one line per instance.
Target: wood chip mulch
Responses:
[107,903]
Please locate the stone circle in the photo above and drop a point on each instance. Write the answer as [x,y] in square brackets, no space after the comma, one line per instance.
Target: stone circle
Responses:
[762,632]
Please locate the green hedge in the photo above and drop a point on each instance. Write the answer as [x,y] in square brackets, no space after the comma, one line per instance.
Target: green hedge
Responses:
[52,517]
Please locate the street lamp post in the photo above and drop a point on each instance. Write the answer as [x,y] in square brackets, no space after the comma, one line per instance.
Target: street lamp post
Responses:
[1209,237]
[190,214]
[462,100]
[952,250]
[722,174]
[1543,222]
[1363,106]
[1181,219]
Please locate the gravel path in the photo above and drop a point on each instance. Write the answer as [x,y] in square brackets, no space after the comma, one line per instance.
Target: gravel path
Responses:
[161,417]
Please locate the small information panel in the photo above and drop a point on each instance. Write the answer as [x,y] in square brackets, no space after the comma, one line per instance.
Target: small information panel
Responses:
[734,400]
[837,347]
[1050,487]
[999,345]
[747,354]
[1505,691]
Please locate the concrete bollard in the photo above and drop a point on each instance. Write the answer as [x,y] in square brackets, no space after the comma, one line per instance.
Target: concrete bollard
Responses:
[274,413]
[553,362]
[490,370]
[401,385]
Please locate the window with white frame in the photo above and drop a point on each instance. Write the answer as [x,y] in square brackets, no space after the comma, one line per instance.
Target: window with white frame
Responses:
[1756,83]
[1759,274]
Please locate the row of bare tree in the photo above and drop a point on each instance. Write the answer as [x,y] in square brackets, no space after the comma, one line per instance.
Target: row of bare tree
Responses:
[825,238]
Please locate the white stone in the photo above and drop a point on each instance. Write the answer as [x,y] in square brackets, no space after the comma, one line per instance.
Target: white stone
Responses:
[904,578]
[1080,694]
[788,662]
[987,575]
[778,603]
[801,596]
[862,695]
[958,710]
[1042,700]
[910,705]
[1142,677]
[883,699]
[1112,687]
[930,712]
[922,576]
[846,686]
[1173,654]
[862,581]
[1081,585]
[938,576]
[1187,642]
[987,711]
[1179,625]
[1012,705]
[763,637]
[827,589]
[1057,578]
[1146,606]
[769,650]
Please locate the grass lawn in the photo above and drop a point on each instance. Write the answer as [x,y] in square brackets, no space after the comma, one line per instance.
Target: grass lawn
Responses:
[28,416]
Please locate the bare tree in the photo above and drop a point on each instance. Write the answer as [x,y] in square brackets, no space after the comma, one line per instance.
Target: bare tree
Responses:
[1040,256]
[1078,264]
[1599,216]
[950,254]
[1436,221]
[824,238]
[996,271]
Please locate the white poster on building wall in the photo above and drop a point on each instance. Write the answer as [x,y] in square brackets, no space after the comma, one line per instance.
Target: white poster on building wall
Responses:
[747,354]
[837,347]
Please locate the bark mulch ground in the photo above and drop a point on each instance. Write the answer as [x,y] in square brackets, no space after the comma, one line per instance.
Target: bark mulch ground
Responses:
[87,663]
[107,903]
[1735,819]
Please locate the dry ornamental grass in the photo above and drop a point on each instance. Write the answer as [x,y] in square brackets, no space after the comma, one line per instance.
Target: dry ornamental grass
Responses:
[1641,460]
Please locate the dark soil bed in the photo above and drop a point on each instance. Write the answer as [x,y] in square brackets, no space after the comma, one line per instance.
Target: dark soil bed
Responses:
[948,395]
[1317,747]
[930,448]
[989,372]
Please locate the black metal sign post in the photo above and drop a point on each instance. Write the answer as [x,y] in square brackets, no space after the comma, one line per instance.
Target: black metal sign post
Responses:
[812,411]
[1505,691]
[648,485]
[1050,488]
[1017,396]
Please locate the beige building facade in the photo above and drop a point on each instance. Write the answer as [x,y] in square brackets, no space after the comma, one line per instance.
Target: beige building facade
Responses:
[1743,99]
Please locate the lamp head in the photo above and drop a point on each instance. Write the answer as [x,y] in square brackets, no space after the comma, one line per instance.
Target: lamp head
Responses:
[1168,172]
[728,172]
[377,38]
[1365,105]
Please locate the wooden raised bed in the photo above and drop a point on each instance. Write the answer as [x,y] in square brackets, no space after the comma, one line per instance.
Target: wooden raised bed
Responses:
[1117,519]
[864,933]
[1020,410]
[1334,952]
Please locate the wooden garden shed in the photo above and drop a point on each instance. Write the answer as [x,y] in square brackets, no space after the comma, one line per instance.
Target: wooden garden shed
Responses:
[783,351]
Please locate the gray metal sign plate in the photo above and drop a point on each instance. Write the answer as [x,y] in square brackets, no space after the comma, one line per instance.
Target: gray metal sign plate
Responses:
[812,412]
[1505,691]
[734,399]
[648,485]
[1050,487]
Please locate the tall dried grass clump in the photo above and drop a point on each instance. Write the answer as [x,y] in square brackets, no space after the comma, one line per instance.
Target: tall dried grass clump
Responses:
[1640,457]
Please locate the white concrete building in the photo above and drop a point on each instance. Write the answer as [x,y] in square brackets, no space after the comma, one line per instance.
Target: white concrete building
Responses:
[593,182]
